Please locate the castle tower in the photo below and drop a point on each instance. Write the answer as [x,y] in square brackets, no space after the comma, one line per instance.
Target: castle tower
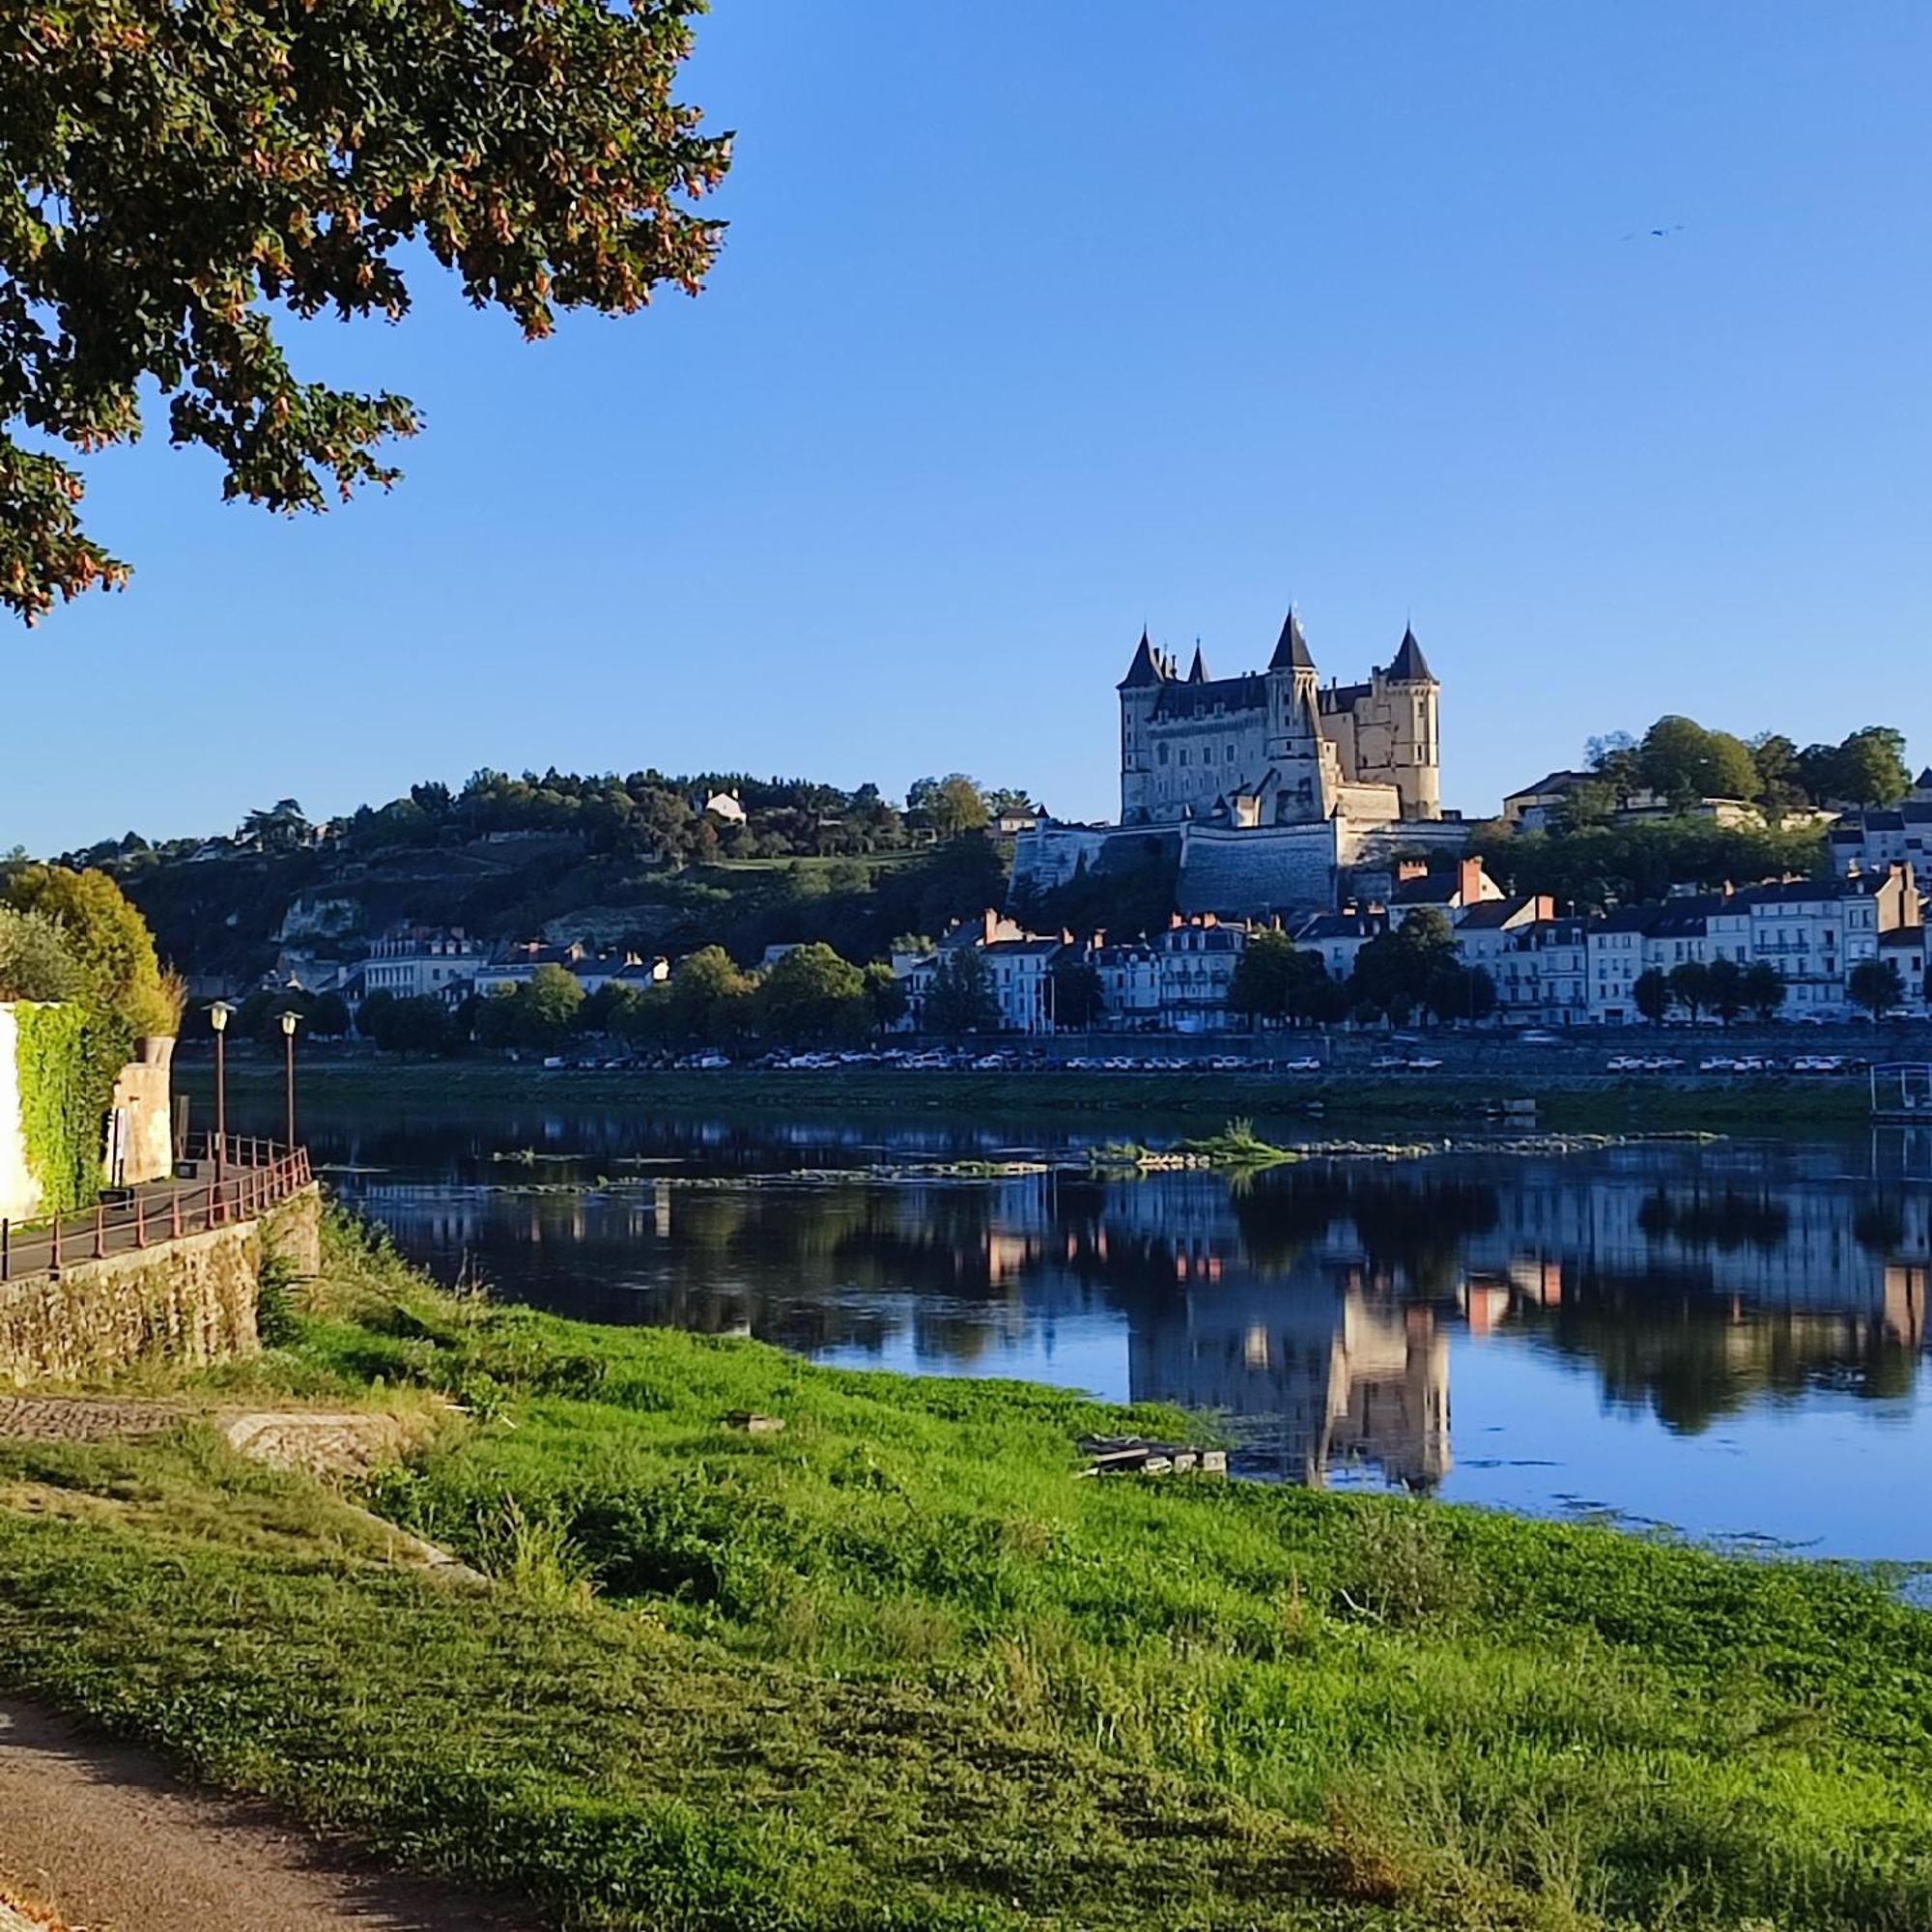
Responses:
[1303,761]
[1139,690]
[1411,697]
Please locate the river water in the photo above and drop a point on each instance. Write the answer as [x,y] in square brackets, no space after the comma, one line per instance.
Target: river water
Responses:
[1728,1340]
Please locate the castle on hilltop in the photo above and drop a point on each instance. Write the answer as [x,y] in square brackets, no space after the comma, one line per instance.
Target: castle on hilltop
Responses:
[1267,793]
[1276,747]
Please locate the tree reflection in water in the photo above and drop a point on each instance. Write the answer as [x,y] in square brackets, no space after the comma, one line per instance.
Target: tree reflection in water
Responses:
[1320,1302]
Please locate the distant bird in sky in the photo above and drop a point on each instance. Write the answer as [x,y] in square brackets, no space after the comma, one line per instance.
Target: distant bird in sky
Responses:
[1658,234]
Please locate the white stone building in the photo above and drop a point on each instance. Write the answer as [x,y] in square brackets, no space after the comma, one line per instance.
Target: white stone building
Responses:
[418,961]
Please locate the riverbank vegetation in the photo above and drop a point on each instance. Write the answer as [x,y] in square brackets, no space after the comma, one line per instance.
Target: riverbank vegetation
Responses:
[895,1665]
[1565,1098]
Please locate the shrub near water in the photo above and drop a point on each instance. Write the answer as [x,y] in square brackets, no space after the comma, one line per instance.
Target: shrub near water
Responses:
[1618,1729]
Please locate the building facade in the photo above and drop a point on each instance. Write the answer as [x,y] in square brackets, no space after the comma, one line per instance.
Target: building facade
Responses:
[415,961]
[1275,746]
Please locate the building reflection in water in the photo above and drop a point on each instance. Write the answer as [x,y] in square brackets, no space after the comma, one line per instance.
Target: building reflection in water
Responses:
[1316,1303]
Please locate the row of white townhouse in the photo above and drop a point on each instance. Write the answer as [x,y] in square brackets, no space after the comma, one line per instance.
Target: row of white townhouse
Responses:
[1547,968]
[1568,971]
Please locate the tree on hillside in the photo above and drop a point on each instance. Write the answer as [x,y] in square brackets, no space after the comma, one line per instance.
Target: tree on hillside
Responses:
[278,829]
[1626,865]
[1004,800]
[178,173]
[1781,785]
[1684,762]
[1651,994]
[1866,768]
[950,806]
[1877,985]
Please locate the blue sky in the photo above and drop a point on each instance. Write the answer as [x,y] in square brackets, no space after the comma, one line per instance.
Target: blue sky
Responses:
[1035,323]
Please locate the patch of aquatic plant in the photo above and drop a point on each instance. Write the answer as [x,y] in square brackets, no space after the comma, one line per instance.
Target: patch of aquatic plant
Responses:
[1238,1144]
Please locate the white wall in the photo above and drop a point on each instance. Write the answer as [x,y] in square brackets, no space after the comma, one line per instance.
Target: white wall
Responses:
[20,1191]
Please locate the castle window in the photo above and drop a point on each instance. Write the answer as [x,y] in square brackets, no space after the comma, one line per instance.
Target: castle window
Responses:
[1231,750]
[1206,755]
[1184,754]
[1162,754]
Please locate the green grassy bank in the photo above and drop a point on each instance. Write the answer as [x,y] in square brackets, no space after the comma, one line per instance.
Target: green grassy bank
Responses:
[1603,1103]
[899,1666]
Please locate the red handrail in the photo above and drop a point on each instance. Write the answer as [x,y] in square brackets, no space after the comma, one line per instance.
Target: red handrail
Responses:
[258,1174]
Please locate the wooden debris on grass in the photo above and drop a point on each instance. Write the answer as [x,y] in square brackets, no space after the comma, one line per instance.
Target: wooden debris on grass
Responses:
[1137,1455]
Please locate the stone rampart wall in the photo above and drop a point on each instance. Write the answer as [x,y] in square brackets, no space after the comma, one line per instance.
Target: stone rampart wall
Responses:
[191,1300]
[1251,874]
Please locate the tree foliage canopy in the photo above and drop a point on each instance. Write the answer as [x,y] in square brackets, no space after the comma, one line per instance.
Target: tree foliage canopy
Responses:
[107,939]
[1684,762]
[177,169]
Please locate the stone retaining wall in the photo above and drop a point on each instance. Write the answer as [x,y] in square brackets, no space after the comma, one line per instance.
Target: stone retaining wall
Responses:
[191,1300]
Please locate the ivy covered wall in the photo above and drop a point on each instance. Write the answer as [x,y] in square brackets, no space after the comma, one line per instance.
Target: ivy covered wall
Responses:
[65,1077]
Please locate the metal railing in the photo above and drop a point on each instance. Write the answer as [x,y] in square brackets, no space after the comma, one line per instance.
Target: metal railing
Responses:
[247,1177]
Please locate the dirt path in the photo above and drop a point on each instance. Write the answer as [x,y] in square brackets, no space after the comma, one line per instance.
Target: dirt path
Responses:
[102,1840]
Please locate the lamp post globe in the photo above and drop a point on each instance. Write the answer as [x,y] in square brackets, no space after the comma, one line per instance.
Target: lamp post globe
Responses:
[218,1019]
[291,1019]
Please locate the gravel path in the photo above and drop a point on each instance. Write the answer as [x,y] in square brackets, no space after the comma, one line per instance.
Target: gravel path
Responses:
[103,1838]
[95,1837]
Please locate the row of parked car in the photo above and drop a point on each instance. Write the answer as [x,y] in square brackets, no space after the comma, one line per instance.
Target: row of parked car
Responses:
[1744,1063]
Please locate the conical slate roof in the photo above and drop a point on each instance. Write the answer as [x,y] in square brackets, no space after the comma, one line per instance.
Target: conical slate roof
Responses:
[1410,663]
[1290,651]
[1144,669]
[1198,673]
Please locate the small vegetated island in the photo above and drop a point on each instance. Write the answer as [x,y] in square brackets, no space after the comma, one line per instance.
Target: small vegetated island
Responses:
[886,1659]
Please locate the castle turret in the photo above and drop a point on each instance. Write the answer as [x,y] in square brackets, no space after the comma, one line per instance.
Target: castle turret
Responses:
[1303,761]
[1411,697]
[1198,673]
[1139,691]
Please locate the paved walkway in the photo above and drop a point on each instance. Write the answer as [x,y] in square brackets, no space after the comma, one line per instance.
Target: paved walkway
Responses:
[102,1839]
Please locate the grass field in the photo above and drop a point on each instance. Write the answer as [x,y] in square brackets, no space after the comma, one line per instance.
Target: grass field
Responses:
[899,1666]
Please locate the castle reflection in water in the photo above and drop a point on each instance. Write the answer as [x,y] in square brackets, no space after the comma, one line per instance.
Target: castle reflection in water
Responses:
[1316,1302]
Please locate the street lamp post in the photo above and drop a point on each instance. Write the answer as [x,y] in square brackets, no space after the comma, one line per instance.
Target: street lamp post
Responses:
[218,1019]
[289,1021]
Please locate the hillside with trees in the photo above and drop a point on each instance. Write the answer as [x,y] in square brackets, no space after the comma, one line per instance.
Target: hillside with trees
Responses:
[1679,763]
[629,861]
